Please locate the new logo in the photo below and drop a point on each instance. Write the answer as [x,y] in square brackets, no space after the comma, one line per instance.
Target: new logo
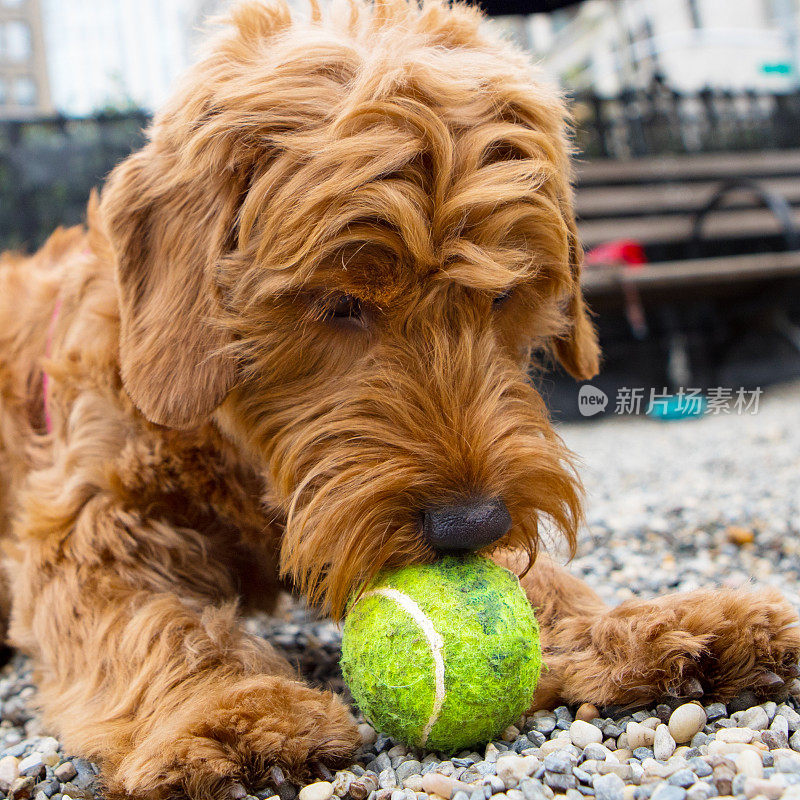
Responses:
[591,400]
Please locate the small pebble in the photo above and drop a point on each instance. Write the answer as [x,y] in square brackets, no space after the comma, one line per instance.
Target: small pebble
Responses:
[560,781]
[587,712]
[65,772]
[560,761]
[686,721]
[790,715]
[754,718]
[32,765]
[715,711]
[436,783]
[608,787]
[639,736]
[786,761]
[9,772]
[545,724]
[683,777]
[756,787]
[663,743]
[407,768]
[740,536]
[780,725]
[749,763]
[386,780]
[699,791]
[491,753]
[21,787]
[596,752]
[553,745]
[368,734]
[512,769]
[771,707]
[322,790]
[582,733]
[510,733]
[667,792]
[716,748]
[699,739]
[736,735]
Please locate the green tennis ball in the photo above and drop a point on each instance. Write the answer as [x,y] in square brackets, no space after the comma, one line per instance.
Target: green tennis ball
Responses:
[442,656]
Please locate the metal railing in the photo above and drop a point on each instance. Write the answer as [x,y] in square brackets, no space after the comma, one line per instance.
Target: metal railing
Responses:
[658,121]
[48,166]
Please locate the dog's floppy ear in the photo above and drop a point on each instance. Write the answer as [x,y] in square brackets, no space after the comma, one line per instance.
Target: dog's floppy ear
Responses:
[167,230]
[577,348]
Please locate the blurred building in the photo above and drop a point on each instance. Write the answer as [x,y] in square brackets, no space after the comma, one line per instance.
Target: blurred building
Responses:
[82,56]
[115,54]
[686,44]
[24,83]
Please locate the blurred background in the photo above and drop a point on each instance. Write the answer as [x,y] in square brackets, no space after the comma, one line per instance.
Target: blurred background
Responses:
[688,184]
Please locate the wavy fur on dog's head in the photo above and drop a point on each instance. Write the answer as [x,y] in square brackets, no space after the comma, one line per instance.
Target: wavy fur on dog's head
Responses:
[345,238]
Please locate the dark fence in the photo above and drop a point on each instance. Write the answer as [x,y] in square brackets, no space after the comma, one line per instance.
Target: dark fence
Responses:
[48,166]
[658,121]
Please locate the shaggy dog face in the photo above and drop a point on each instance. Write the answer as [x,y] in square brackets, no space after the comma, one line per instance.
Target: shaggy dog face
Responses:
[348,237]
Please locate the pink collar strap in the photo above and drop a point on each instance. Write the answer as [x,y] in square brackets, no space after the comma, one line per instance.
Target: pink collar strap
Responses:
[48,422]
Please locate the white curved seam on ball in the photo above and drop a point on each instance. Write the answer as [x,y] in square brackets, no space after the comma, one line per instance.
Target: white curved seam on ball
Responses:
[435,643]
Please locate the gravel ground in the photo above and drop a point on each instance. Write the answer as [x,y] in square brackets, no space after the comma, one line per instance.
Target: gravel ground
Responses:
[671,506]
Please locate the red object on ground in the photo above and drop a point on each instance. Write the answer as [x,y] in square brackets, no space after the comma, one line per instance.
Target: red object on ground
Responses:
[629,255]
[622,252]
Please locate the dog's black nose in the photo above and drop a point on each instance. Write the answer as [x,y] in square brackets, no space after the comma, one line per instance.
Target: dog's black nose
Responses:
[467,526]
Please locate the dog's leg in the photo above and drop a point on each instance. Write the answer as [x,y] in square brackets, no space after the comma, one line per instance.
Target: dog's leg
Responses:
[716,642]
[142,663]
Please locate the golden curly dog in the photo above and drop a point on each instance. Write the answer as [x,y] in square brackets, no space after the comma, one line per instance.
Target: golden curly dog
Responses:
[291,348]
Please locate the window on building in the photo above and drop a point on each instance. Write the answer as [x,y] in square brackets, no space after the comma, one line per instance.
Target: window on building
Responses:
[780,12]
[25,93]
[559,19]
[694,13]
[17,41]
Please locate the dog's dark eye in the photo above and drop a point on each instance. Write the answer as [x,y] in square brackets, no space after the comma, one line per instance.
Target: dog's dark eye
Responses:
[345,308]
[501,299]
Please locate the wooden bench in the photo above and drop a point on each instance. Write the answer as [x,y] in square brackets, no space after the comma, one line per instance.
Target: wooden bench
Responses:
[721,237]
[660,202]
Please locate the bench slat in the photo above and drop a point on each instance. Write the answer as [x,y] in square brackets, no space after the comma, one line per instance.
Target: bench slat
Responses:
[609,280]
[607,202]
[652,230]
[704,167]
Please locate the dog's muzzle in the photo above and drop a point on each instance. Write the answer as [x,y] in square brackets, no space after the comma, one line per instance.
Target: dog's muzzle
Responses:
[468,526]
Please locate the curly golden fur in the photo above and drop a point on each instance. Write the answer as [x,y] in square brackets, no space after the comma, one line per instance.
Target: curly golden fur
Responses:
[299,317]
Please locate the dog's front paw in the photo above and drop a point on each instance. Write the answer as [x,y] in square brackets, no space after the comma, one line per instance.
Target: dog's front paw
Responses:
[753,641]
[705,643]
[216,742]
